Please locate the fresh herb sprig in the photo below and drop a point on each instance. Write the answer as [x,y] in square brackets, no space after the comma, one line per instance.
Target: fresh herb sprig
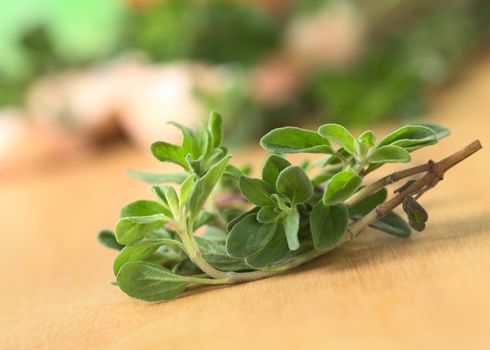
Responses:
[258,227]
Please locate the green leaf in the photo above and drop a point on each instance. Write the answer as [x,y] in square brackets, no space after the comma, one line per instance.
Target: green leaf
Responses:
[440,131]
[203,218]
[410,137]
[267,214]
[293,183]
[215,234]
[256,191]
[248,237]
[204,186]
[390,154]
[341,186]
[417,215]
[186,188]
[295,140]
[108,239]
[144,208]
[150,282]
[291,228]
[215,127]
[240,217]
[338,134]
[273,253]
[142,250]
[134,228]
[166,152]
[392,224]
[368,138]
[273,165]
[368,204]
[214,252]
[205,141]
[169,197]
[155,178]
[328,224]
[195,165]
[190,144]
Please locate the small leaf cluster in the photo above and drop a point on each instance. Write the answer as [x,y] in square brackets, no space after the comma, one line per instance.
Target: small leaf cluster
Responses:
[189,236]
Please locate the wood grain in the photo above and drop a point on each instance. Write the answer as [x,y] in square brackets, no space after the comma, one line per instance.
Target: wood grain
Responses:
[430,291]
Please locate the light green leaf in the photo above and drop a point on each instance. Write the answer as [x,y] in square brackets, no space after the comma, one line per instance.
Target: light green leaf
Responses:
[142,250]
[328,224]
[368,138]
[108,239]
[293,183]
[410,137]
[267,214]
[167,152]
[205,141]
[295,140]
[368,204]
[256,191]
[144,208]
[341,186]
[186,188]
[195,165]
[440,131]
[390,154]
[150,282]
[204,186]
[134,228]
[215,127]
[392,224]
[190,144]
[248,237]
[157,178]
[338,134]
[273,165]
[214,252]
[291,228]
[203,218]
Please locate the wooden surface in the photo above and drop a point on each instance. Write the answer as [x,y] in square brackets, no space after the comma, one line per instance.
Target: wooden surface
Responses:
[380,292]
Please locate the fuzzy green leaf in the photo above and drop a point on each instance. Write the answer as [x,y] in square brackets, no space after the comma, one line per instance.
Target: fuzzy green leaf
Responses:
[167,152]
[142,250]
[256,191]
[392,224]
[294,184]
[215,127]
[291,228]
[295,140]
[368,204]
[150,282]
[144,208]
[341,186]
[248,237]
[190,143]
[273,253]
[338,134]
[328,224]
[135,228]
[410,137]
[186,188]
[390,154]
[204,186]
[267,214]
[108,239]
[214,252]
[273,165]
[368,138]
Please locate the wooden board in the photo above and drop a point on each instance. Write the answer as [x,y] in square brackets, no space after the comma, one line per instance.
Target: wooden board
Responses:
[430,291]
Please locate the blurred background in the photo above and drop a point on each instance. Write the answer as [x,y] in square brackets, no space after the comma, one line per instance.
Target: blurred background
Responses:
[78,76]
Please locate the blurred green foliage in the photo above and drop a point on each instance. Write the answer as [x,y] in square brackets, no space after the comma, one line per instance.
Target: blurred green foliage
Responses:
[414,47]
